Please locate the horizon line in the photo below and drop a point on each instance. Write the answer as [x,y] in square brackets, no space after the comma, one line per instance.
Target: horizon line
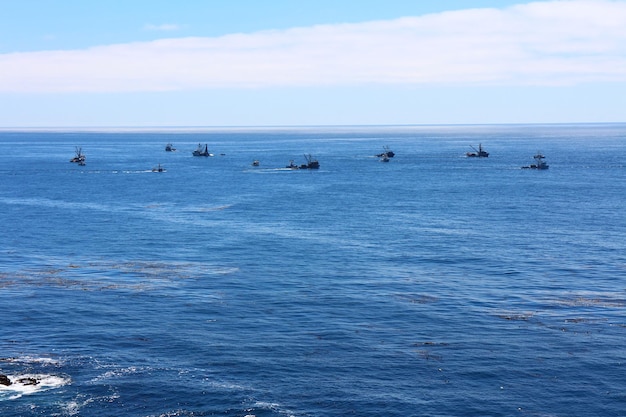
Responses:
[276,127]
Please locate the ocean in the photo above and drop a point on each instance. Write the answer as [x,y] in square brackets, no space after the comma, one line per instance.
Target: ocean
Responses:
[434,284]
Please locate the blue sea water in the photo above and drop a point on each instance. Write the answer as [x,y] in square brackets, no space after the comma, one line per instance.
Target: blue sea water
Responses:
[431,285]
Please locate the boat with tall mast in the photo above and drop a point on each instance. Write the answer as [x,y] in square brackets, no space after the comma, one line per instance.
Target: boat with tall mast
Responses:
[388,153]
[478,153]
[311,163]
[202,151]
[79,157]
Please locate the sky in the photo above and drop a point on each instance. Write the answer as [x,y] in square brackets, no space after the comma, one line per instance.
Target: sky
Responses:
[151,63]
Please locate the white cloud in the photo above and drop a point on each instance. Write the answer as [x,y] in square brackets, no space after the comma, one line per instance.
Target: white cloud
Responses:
[541,43]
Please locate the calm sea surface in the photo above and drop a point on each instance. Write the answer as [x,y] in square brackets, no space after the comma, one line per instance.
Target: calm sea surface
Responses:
[431,285]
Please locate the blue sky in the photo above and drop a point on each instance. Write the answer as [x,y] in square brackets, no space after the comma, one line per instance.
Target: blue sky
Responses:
[76,63]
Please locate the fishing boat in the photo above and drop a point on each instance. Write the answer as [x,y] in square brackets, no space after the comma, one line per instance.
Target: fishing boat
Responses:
[480,153]
[311,163]
[540,162]
[79,157]
[202,151]
[255,163]
[388,153]
[158,168]
[169,148]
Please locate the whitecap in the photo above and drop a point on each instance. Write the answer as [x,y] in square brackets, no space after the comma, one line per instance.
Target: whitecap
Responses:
[27,384]
[33,359]
[263,405]
[115,373]
[72,408]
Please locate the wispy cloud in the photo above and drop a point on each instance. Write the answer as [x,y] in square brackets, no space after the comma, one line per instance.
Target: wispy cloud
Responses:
[165,27]
[540,43]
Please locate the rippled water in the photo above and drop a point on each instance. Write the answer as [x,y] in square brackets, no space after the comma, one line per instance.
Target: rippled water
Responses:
[432,285]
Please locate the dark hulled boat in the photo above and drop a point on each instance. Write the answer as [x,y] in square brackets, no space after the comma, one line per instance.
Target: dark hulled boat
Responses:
[480,153]
[540,163]
[79,158]
[388,153]
[202,151]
